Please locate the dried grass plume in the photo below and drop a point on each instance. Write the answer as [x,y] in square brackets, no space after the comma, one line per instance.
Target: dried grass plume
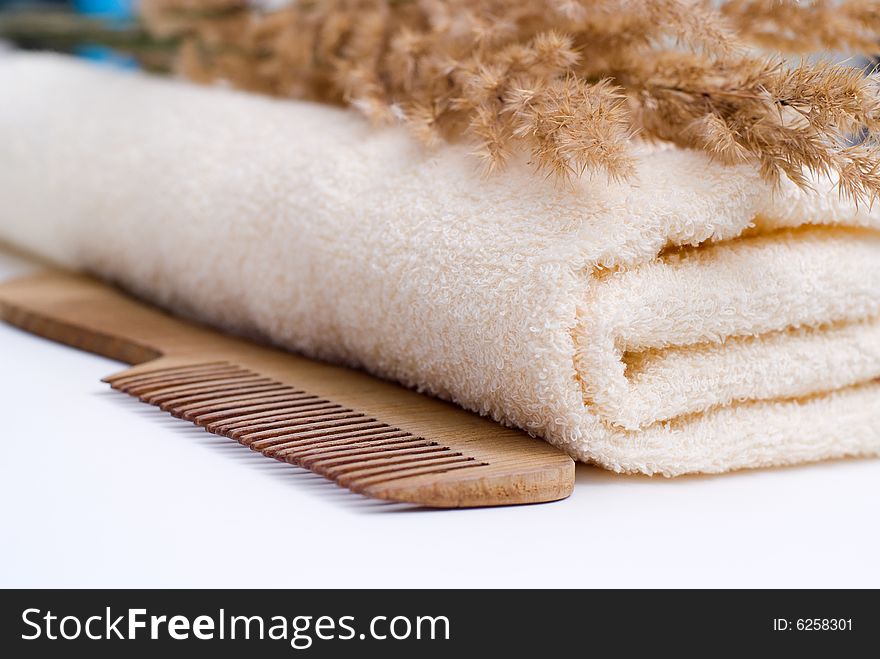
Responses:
[568,81]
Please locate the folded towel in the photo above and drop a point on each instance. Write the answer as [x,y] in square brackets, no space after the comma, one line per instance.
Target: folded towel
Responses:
[693,321]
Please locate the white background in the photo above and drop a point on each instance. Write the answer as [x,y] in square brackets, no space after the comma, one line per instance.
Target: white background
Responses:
[97,489]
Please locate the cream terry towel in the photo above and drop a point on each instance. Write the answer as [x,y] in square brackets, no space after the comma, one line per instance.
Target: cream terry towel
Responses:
[689,322]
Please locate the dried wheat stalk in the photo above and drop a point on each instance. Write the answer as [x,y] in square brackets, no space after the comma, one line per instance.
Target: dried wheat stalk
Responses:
[569,81]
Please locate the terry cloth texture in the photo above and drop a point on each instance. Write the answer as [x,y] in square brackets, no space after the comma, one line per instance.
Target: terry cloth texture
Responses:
[690,321]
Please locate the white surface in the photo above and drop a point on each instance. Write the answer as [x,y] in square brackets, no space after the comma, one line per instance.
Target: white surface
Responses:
[100,490]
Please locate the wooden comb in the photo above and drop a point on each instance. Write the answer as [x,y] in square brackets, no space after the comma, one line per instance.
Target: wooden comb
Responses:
[371,436]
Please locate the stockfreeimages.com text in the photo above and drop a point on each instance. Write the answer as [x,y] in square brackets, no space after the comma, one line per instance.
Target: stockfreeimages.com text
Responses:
[300,631]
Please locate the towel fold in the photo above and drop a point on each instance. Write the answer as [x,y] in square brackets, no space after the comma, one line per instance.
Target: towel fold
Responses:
[788,314]
[692,321]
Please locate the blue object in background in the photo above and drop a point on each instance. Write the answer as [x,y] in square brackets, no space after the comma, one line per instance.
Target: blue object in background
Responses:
[108,56]
[109,12]
[109,9]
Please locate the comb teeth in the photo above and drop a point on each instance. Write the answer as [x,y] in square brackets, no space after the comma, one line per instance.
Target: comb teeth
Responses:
[291,425]
[241,410]
[141,388]
[235,402]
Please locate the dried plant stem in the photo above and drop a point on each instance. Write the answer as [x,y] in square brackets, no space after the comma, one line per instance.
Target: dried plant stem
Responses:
[567,81]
